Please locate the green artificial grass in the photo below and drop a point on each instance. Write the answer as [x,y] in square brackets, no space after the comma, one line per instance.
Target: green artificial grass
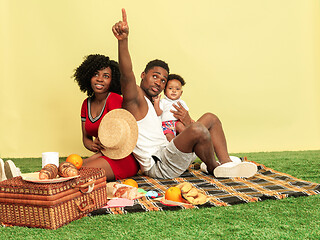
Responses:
[291,218]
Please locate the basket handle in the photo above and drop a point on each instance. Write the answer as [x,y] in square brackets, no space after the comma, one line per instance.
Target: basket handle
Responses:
[89,184]
[82,209]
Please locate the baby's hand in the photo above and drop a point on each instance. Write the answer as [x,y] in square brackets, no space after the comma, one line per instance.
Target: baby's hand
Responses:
[121,28]
[156,99]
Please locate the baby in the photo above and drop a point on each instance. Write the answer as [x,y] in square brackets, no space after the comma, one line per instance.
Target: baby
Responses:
[173,91]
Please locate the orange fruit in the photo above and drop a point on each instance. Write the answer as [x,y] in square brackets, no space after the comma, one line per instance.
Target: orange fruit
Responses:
[173,194]
[76,160]
[131,182]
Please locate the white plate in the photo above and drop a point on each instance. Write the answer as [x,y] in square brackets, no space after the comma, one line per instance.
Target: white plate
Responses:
[34,177]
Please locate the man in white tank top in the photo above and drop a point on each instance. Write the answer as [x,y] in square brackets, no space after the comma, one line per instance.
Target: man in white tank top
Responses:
[157,157]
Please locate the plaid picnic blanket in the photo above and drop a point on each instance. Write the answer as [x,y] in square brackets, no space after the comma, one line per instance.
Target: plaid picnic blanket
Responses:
[266,184]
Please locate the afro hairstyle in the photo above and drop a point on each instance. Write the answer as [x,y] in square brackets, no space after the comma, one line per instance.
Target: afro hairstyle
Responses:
[90,66]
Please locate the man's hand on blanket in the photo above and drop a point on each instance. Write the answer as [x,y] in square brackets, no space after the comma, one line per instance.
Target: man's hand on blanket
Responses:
[182,114]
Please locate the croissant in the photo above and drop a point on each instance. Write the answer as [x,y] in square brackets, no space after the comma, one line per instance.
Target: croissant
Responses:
[49,171]
[67,169]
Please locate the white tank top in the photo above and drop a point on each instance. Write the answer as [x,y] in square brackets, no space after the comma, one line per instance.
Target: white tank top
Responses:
[150,138]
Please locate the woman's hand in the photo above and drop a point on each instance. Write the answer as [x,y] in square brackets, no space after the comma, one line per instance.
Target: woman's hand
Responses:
[121,28]
[96,145]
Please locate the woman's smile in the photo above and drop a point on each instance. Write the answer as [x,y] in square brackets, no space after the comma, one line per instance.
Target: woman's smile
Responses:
[99,86]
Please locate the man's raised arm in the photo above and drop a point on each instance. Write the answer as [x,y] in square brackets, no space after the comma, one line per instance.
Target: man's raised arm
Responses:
[128,82]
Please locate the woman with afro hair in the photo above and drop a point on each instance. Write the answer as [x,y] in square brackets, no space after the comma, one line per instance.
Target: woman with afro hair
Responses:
[99,77]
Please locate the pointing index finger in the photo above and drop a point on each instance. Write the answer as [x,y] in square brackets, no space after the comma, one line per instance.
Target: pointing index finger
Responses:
[124,15]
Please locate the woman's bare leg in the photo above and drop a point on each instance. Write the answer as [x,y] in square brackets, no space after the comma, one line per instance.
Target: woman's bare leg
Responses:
[94,156]
[98,162]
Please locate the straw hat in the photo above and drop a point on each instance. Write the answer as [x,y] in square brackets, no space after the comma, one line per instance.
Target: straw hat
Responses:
[118,132]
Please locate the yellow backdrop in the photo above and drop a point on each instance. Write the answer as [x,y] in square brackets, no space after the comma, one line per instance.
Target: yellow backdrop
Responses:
[254,63]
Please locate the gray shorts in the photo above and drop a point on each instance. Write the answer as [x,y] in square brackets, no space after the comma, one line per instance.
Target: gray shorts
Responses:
[170,162]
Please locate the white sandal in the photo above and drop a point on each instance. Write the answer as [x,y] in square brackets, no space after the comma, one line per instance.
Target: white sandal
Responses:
[203,166]
[232,169]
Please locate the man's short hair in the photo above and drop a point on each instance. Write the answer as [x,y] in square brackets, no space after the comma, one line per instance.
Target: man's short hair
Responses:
[156,63]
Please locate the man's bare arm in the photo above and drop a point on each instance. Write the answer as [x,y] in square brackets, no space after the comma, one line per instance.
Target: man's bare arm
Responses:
[128,82]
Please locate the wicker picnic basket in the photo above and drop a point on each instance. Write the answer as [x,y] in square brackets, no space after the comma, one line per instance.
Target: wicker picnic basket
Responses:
[52,205]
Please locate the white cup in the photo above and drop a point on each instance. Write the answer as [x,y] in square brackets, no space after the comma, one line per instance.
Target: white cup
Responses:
[50,158]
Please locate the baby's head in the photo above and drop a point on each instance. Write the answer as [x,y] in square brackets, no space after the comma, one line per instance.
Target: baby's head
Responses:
[173,89]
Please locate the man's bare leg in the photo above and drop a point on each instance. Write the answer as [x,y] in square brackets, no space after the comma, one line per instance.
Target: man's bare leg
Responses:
[213,124]
[196,138]
[206,137]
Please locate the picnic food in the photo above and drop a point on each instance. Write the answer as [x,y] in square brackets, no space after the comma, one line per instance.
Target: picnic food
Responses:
[173,194]
[76,160]
[67,169]
[118,190]
[49,171]
[131,182]
[192,194]
[51,204]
